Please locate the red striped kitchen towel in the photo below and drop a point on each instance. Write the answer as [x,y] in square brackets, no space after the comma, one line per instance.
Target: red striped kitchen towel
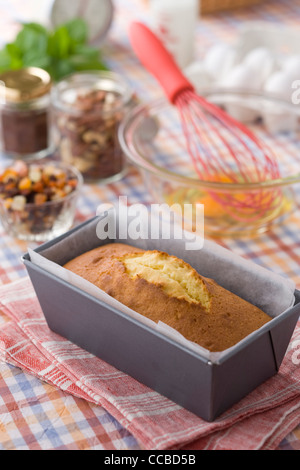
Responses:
[259,421]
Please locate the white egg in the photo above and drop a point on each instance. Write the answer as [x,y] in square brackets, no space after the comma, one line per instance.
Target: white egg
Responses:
[261,61]
[219,60]
[280,84]
[291,67]
[241,78]
[198,75]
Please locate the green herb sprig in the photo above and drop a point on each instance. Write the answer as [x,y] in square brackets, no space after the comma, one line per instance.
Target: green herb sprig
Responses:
[61,51]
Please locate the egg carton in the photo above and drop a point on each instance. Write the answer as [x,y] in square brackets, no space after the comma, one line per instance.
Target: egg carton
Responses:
[261,61]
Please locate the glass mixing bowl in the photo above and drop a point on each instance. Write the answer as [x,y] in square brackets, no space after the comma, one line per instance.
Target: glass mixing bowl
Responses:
[152,138]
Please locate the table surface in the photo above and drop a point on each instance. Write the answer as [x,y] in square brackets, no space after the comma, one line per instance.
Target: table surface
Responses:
[66,422]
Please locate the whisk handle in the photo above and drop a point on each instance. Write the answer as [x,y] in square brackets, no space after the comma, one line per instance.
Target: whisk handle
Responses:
[158,60]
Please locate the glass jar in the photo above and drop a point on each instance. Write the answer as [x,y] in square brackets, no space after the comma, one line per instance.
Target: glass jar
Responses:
[87,109]
[24,113]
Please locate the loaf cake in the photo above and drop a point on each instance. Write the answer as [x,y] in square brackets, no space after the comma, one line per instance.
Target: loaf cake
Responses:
[165,288]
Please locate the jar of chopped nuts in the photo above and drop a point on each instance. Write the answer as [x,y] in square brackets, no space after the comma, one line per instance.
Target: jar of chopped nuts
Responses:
[87,109]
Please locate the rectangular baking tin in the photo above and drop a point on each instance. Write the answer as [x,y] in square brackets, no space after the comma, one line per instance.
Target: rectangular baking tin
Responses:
[207,389]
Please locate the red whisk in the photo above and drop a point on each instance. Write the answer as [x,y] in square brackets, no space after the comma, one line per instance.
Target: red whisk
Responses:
[219,145]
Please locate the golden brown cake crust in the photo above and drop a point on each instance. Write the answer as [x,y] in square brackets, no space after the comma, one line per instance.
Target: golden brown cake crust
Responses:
[226,321]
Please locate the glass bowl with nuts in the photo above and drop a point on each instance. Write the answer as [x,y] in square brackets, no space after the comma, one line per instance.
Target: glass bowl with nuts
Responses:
[38,200]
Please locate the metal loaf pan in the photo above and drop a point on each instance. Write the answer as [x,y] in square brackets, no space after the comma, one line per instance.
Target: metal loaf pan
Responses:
[205,388]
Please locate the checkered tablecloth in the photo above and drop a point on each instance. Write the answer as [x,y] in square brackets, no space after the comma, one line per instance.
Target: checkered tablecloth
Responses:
[35,415]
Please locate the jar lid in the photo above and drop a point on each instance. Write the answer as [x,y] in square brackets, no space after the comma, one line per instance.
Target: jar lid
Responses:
[19,86]
[97,14]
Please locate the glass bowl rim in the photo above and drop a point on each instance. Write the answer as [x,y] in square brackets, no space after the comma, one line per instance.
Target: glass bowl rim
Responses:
[142,162]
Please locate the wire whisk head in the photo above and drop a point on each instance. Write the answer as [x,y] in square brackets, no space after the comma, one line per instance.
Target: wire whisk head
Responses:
[224,150]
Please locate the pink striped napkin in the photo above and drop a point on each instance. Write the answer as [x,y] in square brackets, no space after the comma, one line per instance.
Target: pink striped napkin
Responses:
[259,421]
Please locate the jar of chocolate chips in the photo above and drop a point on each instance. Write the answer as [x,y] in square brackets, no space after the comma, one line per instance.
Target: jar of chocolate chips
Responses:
[87,109]
[24,113]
